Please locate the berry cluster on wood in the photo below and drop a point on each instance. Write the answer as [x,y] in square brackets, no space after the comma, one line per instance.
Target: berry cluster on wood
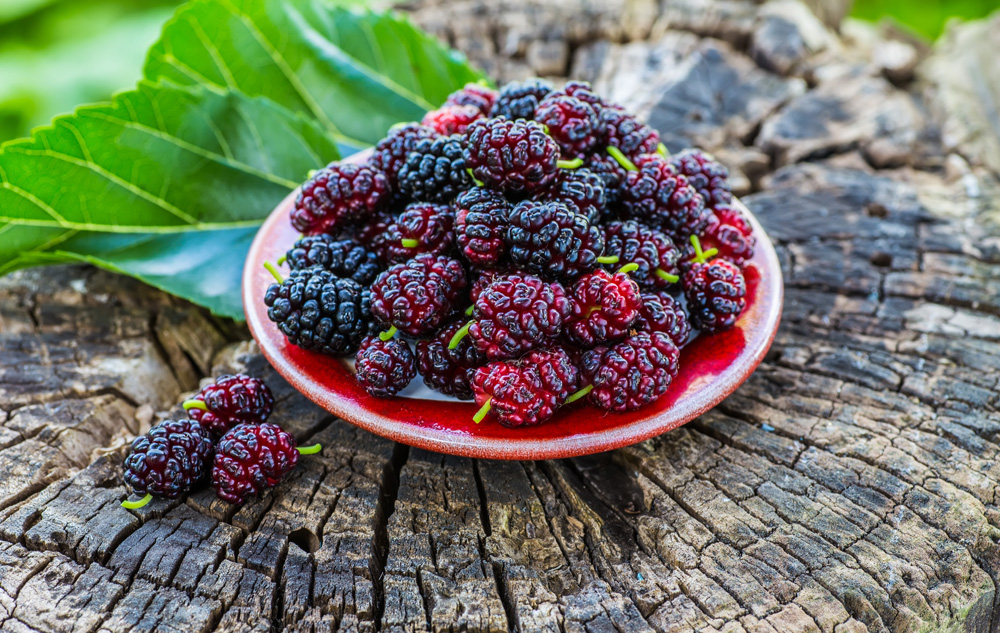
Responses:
[225,440]
[524,247]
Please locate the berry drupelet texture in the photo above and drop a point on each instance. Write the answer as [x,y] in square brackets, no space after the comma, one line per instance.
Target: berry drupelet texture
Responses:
[516,157]
[656,194]
[517,313]
[552,240]
[731,234]
[630,374]
[526,391]
[707,175]
[250,458]
[319,311]
[339,195]
[623,131]
[229,401]
[716,294]
[451,119]
[416,296]
[372,234]
[573,124]
[445,369]
[605,307]
[435,170]
[584,189]
[474,94]
[660,312]
[652,250]
[343,258]
[391,152]
[384,368]
[519,99]
[169,459]
[481,226]
[422,227]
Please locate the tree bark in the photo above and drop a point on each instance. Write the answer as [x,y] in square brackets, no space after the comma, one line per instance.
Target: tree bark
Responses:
[850,485]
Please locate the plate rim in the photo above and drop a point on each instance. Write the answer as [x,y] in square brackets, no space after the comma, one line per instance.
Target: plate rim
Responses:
[453,443]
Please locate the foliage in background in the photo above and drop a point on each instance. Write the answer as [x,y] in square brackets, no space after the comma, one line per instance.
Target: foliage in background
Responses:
[241,98]
[926,17]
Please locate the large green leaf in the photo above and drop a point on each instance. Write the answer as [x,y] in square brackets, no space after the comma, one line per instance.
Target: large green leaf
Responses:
[152,183]
[355,71]
[169,182]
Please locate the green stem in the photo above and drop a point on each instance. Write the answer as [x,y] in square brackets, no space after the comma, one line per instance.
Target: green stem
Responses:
[607,259]
[194,404]
[310,450]
[664,275]
[479,183]
[408,242]
[135,505]
[579,394]
[459,335]
[274,272]
[627,268]
[388,334]
[622,159]
[569,164]
[661,149]
[483,410]
[281,260]
[468,311]
[701,256]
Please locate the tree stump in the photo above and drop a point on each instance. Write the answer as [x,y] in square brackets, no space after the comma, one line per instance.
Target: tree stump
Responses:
[850,485]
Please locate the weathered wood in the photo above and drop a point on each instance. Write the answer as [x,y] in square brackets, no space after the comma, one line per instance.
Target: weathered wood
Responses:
[850,485]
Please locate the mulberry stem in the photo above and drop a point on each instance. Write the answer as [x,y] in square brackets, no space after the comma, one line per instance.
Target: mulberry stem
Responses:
[627,268]
[483,410]
[408,242]
[569,164]
[579,394]
[622,159]
[388,334]
[281,260]
[310,450]
[664,275]
[662,150]
[468,311]
[135,505]
[459,335]
[701,256]
[479,183]
[194,404]
[607,259]
[274,272]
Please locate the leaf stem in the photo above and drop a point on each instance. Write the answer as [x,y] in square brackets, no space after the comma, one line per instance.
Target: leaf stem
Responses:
[135,505]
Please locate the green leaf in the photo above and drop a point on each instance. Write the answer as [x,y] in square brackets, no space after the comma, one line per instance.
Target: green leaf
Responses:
[169,182]
[354,71]
[154,182]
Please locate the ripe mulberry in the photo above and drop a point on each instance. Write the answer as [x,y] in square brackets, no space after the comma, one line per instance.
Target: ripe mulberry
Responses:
[421,228]
[516,157]
[384,368]
[552,240]
[229,401]
[707,175]
[582,188]
[446,369]
[519,99]
[474,94]
[517,313]
[339,195]
[605,307]
[391,152]
[572,123]
[656,194]
[630,374]
[252,457]
[418,295]
[435,170]
[343,258]
[451,119]
[652,250]
[526,391]
[168,460]
[660,312]
[481,226]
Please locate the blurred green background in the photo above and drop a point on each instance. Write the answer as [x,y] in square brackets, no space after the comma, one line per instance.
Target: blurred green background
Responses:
[57,54]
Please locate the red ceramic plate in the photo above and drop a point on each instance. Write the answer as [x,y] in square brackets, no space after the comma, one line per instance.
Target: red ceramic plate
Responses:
[712,367]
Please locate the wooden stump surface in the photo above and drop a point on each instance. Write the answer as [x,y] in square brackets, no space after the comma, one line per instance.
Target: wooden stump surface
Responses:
[850,485]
